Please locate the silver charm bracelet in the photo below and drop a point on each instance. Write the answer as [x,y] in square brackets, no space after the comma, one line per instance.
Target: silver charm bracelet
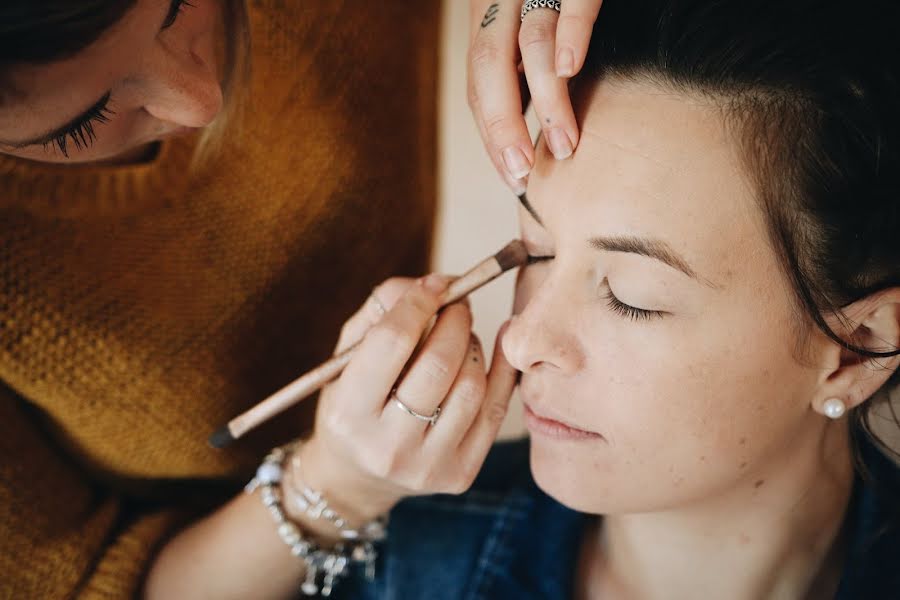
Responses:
[330,564]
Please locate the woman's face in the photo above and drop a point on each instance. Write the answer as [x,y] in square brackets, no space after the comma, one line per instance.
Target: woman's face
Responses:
[663,324]
[150,76]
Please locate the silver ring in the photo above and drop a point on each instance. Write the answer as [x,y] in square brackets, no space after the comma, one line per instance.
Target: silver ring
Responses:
[530,5]
[431,420]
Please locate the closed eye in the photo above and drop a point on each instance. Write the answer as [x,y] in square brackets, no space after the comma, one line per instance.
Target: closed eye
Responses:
[626,310]
[539,259]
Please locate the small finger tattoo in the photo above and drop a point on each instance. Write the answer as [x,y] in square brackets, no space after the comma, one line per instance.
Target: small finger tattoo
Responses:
[491,15]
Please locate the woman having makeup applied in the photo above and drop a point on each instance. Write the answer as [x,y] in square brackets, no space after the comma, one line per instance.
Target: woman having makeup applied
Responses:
[707,337]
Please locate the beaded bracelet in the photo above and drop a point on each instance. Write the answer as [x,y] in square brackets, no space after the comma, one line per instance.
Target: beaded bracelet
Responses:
[332,563]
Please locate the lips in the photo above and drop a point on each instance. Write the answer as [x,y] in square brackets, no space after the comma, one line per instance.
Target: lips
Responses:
[556,430]
[541,414]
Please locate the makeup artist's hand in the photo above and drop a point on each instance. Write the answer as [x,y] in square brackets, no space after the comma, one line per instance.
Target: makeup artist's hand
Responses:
[552,48]
[365,453]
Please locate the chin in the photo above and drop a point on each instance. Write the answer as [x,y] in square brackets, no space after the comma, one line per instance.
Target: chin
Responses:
[585,485]
[560,476]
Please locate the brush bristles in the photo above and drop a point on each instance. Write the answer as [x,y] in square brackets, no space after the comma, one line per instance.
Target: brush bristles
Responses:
[221,438]
[513,255]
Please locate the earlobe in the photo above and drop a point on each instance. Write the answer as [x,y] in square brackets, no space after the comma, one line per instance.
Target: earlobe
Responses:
[834,408]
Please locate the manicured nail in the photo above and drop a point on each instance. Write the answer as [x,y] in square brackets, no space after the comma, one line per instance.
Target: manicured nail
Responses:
[434,283]
[560,144]
[516,162]
[565,62]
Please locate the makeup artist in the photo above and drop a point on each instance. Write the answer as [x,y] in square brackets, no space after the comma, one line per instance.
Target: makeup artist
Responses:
[185,223]
[193,197]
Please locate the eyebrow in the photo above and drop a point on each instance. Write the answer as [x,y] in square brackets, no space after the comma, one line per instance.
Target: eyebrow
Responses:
[656,249]
[46,138]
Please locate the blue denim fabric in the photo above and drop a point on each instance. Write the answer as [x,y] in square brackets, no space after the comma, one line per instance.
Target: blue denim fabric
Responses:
[506,539]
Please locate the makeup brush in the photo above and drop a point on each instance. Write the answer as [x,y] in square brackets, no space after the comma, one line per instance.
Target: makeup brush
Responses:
[511,256]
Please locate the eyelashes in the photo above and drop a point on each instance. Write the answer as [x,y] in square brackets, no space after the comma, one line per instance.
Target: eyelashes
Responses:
[82,133]
[538,259]
[631,312]
[614,304]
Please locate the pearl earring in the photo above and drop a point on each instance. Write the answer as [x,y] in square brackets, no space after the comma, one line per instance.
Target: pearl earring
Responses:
[834,408]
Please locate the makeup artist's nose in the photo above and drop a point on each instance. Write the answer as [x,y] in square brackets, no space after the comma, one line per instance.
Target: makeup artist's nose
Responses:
[543,336]
[184,88]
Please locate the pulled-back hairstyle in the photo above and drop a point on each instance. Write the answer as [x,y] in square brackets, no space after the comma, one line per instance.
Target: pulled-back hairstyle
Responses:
[34,32]
[811,88]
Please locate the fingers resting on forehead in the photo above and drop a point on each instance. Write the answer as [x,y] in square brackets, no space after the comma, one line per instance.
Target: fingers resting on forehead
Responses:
[552,47]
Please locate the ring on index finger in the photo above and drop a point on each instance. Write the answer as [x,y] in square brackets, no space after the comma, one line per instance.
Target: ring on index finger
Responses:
[530,5]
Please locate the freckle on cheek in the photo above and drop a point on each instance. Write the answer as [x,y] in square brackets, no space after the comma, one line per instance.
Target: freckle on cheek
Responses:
[743,465]
[758,483]
[743,441]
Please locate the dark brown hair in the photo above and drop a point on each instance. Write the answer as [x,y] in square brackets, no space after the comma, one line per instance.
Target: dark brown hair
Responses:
[812,89]
[48,30]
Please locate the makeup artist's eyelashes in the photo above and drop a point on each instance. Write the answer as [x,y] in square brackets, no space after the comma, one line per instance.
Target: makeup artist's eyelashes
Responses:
[82,133]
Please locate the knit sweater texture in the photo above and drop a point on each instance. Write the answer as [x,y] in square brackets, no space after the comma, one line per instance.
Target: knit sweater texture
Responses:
[143,306]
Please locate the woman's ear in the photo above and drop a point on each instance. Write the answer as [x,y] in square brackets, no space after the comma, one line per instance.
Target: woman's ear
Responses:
[872,323]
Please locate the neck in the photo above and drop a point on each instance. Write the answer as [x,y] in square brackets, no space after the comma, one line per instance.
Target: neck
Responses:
[774,535]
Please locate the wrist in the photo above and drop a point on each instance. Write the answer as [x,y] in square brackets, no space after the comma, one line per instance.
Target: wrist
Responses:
[345,490]
[325,564]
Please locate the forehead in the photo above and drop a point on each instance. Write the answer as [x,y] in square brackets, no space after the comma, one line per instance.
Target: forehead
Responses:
[657,164]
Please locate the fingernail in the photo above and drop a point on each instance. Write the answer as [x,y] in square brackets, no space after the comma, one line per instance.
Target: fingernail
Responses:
[516,162]
[565,62]
[560,144]
[434,283]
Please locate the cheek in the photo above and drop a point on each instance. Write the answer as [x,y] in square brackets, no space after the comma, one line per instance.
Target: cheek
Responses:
[686,412]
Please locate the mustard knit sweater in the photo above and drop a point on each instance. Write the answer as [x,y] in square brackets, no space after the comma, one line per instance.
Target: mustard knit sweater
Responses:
[141,307]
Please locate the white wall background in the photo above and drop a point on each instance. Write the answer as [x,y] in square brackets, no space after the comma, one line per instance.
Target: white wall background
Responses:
[477,212]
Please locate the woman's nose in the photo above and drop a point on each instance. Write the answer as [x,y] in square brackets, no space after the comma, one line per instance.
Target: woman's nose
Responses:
[543,336]
[185,88]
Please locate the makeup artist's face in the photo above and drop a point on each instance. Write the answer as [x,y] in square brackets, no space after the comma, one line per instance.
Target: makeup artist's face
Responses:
[663,324]
[150,76]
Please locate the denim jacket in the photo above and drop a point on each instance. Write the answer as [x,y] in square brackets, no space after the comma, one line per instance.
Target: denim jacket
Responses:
[506,539]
